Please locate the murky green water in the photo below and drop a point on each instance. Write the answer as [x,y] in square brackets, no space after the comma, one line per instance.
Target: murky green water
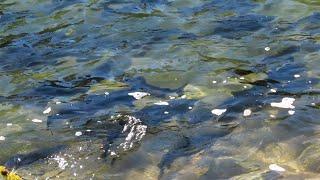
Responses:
[67,68]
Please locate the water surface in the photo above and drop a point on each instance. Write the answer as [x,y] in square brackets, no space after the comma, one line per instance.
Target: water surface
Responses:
[82,58]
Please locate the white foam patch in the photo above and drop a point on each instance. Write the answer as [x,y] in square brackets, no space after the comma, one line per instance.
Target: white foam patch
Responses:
[162,103]
[285,103]
[247,112]
[79,133]
[275,167]
[36,120]
[273,90]
[138,95]
[136,131]
[218,112]
[62,163]
[291,112]
[47,111]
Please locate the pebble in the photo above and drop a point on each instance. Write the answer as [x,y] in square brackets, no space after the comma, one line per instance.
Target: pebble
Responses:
[2,138]
[267,48]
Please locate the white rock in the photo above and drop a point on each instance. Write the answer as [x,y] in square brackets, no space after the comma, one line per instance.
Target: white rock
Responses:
[241,78]
[184,96]
[214,82]
[166,112]
[47,111]
[267,48]
[162,103]
[36,120]
[9,124]
[285,103]
[58,102]
[275,167]
[78,133]
[2,138]
[190,107]
[138,95]
[291,112]
[297,75]
[218,112]
[106,93]
[247,112]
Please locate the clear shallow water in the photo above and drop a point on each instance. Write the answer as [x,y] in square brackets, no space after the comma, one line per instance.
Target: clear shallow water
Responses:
[195,55]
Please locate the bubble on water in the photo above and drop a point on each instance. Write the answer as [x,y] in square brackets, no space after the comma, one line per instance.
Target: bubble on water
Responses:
[47,111]
[62,163]
[296,75]
[247,112]
[218,112]
[78,133]
[36,120]
[136,131]
[162,103]
[291,112]
[273,90]
[138,95]
[285,103]
[275,167]
[172,97]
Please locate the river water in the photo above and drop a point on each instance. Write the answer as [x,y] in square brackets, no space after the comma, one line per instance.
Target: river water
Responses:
[160,89]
